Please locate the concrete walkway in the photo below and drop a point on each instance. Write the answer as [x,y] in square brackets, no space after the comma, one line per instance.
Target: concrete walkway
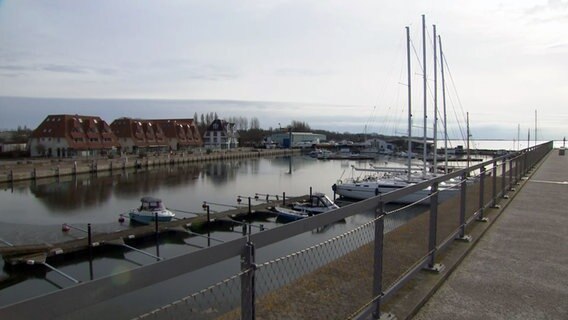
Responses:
[519,268]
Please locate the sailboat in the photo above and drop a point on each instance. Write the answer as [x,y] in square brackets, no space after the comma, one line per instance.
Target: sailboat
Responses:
[391,181]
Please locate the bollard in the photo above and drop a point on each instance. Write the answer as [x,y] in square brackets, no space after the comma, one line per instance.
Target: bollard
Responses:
[11,175]
[249,206]
[244,229]
[283,198]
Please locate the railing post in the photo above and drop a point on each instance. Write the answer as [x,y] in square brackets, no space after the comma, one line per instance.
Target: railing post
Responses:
[433,229]
[526,166]
[378,259]
[247,282]
[504,178]
[494,197]
[481,195]
[463,200]
[511,163]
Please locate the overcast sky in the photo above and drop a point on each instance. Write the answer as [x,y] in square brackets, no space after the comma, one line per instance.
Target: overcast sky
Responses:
[506,58]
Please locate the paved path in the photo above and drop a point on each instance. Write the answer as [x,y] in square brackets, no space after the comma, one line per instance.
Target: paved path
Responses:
[519,268]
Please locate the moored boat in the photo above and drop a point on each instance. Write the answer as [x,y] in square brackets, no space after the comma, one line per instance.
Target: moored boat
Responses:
[150,209]
[316,204]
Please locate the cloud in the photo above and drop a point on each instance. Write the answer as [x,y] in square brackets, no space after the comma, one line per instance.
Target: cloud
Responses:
[553,10]
[56,68]
[292,72]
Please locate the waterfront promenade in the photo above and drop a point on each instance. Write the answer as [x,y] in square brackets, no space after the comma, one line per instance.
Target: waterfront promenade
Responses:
[519,268]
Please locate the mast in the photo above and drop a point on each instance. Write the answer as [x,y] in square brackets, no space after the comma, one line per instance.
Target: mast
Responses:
[444,105]
[535,132]
[529,138]
[468,135]
[518,136]
[425,153]
[409,101]
[435,147]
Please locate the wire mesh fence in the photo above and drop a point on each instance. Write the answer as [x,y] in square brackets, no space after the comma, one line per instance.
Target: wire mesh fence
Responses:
[210,303]
[300,285]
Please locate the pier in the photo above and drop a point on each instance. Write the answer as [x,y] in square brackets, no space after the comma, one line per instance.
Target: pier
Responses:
[88,239]
[519,268]
[366,273]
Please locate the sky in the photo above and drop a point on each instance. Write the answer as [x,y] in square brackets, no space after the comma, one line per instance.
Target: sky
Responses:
[339,65]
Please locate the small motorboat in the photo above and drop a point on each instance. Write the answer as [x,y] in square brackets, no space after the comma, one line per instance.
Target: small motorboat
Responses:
[285,214]
[316,204]
[150,209]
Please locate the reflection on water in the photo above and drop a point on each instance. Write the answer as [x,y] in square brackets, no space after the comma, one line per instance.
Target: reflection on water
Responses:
[100,198]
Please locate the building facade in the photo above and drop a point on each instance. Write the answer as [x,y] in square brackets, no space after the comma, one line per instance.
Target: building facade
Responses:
[221,135]
[181,134]
[65,136]
[139,136]
[296,139]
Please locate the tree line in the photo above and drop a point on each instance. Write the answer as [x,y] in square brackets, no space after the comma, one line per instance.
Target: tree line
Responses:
[251,134]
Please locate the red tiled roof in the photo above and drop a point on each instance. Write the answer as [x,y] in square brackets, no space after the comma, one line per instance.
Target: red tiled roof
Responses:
[81,132]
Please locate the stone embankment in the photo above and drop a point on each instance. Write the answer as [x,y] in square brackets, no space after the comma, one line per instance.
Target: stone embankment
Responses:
[31,169]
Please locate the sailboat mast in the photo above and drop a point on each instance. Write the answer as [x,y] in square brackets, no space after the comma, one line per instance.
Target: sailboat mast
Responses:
[444,105]
[409,101]
[425,153]
[435,147]
[535,132]
[518,136]
[468,135]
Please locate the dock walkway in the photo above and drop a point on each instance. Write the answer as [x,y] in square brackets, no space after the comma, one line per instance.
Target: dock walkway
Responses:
[519,268]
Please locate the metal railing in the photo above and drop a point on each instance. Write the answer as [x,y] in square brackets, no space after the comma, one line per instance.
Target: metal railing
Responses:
[364,263]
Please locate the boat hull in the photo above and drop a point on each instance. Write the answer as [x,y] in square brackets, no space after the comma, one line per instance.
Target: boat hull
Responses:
[365,191]
[147,218]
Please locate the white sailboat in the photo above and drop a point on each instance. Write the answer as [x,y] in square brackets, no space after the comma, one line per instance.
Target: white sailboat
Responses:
[395,180]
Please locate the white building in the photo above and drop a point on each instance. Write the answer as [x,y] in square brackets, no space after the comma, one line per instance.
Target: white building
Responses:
[221,135]
[297,139]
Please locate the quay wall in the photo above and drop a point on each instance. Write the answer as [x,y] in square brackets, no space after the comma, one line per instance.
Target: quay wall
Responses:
[32,169]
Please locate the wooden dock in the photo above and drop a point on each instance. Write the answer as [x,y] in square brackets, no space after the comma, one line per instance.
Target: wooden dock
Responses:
[26,254]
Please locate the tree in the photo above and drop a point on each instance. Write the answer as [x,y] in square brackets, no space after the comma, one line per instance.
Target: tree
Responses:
[254,123]
[300,126]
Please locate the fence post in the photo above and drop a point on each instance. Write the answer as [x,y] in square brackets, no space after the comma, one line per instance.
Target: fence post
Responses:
[463,200]
[481,195]
[378,259]
[517,169]
[494,196]
[433,229]
[511,175]
[504,178]
[247,282]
